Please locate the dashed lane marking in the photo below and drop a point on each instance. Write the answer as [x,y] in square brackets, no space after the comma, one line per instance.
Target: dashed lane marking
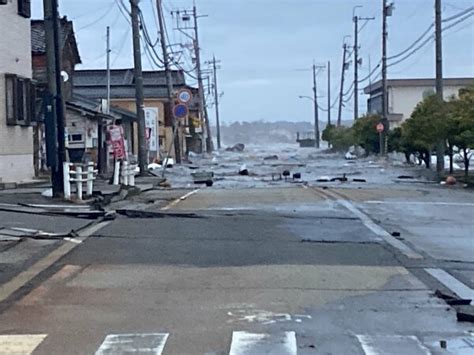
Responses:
[143,344]
[20,344]
[244,343]
[8,288]
[370,224]
[392,345]
[178,200]
[452,283]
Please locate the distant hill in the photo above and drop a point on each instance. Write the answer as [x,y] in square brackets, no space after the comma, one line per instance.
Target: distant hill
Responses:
[261,132]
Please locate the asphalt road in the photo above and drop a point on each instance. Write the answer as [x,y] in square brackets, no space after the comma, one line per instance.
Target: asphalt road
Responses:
[278,269]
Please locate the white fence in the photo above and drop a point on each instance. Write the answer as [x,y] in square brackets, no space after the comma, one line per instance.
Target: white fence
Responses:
[78,174]
[124,173]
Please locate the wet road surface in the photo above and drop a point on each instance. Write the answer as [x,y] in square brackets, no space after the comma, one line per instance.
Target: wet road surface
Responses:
[270,269]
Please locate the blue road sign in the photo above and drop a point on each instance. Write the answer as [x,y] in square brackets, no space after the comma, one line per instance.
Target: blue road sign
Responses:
[180,111]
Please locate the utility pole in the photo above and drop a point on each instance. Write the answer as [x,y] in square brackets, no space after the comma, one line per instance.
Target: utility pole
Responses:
[216,101]
[440,146]
[108,70]
[51,17]
[137,56]
[356,66]
[357,61]
[169,82]
[202,99]
[387,11]
[329,93]
[316,107]
[341,92]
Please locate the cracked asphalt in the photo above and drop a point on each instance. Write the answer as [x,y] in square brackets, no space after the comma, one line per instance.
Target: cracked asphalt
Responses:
[265,268]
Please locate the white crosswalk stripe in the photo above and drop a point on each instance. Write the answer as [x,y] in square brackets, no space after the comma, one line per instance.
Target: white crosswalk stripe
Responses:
[244,343]
[392,345]
[20,344]
[144,344]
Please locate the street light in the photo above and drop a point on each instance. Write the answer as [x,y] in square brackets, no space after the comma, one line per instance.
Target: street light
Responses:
[316,128]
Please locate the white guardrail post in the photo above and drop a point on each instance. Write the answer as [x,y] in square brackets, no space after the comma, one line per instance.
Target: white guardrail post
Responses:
[66,180]
[79,181]
[90,178]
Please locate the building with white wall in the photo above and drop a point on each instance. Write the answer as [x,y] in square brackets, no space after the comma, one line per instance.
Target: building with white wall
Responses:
[405,94]
[16,97]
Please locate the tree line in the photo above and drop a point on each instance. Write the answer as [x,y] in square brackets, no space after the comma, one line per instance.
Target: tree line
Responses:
[432,120]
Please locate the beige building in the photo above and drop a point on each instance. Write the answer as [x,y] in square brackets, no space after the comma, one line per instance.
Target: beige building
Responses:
[16,108]
[405,94]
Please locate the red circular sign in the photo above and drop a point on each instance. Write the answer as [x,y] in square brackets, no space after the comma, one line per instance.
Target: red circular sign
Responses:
[380,128]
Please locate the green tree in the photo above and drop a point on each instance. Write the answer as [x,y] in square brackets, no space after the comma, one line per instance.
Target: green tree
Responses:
[426,126]
[339,138]
[365,133]
[461,130]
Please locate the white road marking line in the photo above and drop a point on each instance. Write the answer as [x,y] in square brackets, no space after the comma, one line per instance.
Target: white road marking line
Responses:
[392,345]
[244,343]
[407,251]
[20,344]
[452,283]
[178,200]
[460,204]
[146,343]
[8,288]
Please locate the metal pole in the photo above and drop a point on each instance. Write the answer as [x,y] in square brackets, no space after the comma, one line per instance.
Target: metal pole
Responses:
[316,108]
[216,99]
[440,146]
[341,92]
[137,56]
[329,93]
[108,71]
[384,119]
[169,82]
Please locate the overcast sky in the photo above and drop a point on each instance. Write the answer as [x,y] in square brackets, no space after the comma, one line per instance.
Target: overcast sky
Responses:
[264,45]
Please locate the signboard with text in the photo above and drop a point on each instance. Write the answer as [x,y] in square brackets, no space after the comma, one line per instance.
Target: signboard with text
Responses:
[151,124]
[117,141]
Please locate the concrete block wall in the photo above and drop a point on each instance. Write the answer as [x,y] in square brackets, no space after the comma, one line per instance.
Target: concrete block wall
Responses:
[16,142]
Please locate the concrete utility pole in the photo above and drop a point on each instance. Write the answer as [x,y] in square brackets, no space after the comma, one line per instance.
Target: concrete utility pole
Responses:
[387,11]
[357,61]
[137,56]
[440,146]
[202,101]
[341,91]
[316,107]
[108,70]
[53,53]
[329,93]
[216,101]
[169,82]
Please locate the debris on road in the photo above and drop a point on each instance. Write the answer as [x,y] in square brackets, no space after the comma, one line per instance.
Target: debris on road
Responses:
[239,147]
[450,180]
[286,174]
[153,214]
[271,157]
[359,180]
[203,177]
[296,176]
[71,211]
[243,170]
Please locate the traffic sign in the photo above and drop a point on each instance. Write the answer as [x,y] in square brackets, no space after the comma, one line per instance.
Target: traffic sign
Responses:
[180,111]
[185,96]
[380,127]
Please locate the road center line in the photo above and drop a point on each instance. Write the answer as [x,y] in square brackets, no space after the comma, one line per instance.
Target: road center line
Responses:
[452,283]
[8,288]
[178,200]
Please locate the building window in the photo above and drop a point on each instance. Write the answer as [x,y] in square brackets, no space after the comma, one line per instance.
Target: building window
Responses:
[19,100]
[24,8]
